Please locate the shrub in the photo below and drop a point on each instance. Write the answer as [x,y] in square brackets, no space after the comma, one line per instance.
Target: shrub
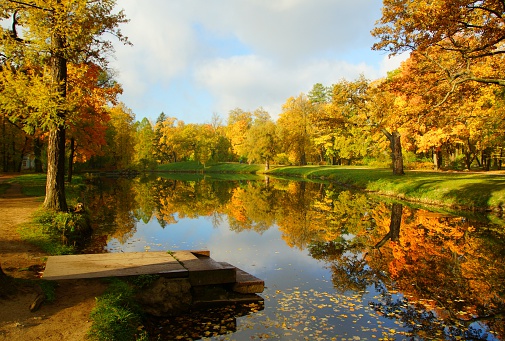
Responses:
[69,228]
[116,316]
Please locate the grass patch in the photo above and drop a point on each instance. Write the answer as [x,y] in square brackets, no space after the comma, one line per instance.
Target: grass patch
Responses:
[223,167]
[461,190]
[49,289]
[34,185]
[187,166]
[3,187]
[37,233]
[476,191]
[116,316]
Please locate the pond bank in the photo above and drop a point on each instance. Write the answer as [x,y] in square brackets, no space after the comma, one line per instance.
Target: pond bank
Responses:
[472,191]
[463,191]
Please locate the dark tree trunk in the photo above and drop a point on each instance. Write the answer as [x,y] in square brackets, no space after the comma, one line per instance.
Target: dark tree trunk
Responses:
[37,151]
[4,143]
[469,155]
[55,186]
[437,158]
[6,285]
[303,160]
[394,226]
[396,151]
[71,160]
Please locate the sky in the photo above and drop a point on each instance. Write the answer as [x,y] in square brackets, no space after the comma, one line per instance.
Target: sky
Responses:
[192,59]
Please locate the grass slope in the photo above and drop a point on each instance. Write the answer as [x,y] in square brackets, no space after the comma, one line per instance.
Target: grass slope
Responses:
[476,191]
[458,190]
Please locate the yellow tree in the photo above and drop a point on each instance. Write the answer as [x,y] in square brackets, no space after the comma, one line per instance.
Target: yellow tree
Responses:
[295,129]
[470,29]
[262,141]
[54,34]
[435,119]
[122,130]
[239,122]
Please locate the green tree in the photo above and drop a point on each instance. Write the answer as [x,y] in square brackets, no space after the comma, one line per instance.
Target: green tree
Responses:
[160,150]
[144,148]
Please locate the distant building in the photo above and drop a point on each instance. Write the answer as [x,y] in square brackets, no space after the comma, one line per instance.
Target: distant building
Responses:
[28,162]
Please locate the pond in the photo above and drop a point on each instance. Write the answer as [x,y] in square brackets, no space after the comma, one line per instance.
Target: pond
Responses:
[337,264]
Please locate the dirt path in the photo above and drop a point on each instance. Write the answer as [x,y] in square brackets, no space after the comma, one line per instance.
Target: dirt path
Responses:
[67,318]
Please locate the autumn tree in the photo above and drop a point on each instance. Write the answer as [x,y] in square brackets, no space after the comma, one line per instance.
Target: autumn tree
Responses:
[341,133]
[160,150]
[384,113]
[470,30]
[239,122]
[469,120]
[121,145]
[295,129]
[261,141]
[48,35]
[90,90]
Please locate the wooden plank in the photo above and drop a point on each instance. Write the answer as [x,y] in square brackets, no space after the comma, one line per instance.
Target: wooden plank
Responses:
[112,265]
[247,283]
[205,270]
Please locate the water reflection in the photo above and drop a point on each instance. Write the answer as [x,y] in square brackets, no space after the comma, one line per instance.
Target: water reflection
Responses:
[434,275]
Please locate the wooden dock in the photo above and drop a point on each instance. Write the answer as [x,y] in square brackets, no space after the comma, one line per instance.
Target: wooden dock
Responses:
[195,265]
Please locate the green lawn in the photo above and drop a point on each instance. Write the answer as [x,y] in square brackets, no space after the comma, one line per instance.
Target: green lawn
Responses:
[458,190]
[463,190]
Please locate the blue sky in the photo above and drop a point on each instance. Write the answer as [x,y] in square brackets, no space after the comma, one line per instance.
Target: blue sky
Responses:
[193,58]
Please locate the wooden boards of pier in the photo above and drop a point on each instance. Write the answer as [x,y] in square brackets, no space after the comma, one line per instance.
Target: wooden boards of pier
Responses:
[195,265]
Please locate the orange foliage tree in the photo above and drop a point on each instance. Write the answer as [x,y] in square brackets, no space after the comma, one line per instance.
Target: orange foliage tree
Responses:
[90,91]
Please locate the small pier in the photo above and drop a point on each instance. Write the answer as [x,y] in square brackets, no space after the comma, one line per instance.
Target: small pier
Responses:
[197,266]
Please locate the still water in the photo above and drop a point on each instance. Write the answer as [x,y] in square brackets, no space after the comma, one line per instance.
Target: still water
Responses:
[337,264]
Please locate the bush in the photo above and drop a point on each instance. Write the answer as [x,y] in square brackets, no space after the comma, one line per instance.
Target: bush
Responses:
[70,228]
[116,316]
[382,161]
[414,161]
[282,159]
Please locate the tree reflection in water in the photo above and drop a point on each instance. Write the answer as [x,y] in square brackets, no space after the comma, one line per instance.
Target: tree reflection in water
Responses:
[448,270]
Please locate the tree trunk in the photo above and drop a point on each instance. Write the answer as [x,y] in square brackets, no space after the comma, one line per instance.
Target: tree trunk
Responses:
[437,158]
[55,186]
[37,151]
[71,160]
[396,151]
[394,226]
[6,285]
[4,144]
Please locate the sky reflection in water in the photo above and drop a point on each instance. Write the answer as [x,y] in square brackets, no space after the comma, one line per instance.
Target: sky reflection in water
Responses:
[301,300]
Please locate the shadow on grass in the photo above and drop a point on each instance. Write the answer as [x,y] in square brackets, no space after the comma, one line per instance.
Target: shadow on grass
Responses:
[485,194]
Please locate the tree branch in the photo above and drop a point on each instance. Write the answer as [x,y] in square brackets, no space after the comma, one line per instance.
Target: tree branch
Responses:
[30,5]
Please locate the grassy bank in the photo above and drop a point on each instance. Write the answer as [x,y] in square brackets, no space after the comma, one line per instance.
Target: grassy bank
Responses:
[458,190]
[461,190]
[196,167]
[54,233]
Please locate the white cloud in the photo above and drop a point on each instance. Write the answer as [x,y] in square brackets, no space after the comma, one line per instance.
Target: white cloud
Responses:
[162,49]
[249,82]
[391,63]
[246,53]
